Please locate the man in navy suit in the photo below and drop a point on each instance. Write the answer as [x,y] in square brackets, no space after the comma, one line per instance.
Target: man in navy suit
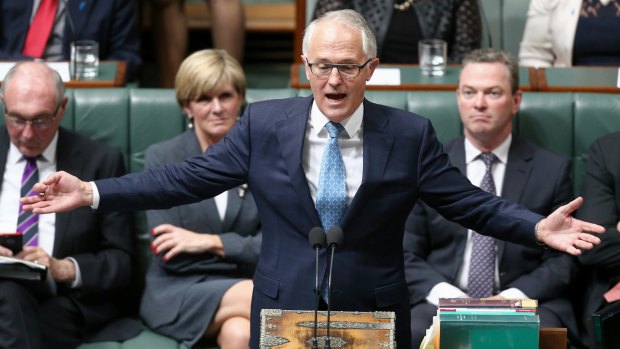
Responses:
[112,23]
[438,253]
[391,158]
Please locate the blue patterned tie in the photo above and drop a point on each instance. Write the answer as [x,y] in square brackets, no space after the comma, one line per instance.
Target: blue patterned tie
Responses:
[482,267]
[331,192]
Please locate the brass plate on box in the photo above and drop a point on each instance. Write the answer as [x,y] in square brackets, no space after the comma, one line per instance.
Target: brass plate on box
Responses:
[284,329]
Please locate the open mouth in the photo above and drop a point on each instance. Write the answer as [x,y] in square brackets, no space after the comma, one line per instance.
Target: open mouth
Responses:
[335,96]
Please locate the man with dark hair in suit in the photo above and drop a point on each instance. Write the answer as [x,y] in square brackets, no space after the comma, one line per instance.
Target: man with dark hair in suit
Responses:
[601,188]
[442,258]
[332,159]
[88,254]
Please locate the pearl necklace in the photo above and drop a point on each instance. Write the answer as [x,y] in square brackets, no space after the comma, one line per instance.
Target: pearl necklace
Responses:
[404,6]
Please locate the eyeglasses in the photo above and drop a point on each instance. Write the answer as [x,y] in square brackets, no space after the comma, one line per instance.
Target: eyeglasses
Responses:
[347,71]
[41,123]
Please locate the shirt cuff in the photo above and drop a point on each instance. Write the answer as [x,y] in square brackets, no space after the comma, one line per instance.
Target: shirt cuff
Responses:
[95,196]
[513,293]
[77,282]
[444,290]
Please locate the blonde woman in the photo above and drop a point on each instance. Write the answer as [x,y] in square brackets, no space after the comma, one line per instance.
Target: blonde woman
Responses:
[199,284]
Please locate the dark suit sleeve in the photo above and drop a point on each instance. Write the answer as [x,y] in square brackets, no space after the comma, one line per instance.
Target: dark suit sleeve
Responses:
[601,198]
[242,249]
[105,265]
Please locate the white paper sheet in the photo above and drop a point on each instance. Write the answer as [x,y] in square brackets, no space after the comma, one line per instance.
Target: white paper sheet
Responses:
[385,76]
[61,67]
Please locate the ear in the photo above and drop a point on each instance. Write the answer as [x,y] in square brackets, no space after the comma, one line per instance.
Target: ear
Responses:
[304,59]
[516,101]
[372,66]
[187,111]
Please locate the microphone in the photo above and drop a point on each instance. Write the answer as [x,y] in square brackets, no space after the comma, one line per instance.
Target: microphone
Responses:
[334,239]
[317,240]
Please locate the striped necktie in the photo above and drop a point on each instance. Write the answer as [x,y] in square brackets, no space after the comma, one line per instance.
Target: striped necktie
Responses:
[28,222]
[482,267]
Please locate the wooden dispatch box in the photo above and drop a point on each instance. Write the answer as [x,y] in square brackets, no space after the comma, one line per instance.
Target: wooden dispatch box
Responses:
[293,329]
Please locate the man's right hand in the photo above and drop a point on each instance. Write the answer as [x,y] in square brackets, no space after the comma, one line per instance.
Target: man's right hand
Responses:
[59,192]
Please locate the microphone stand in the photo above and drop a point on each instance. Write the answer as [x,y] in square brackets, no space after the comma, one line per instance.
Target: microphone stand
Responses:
[329,296]
[318,239]
[315,344]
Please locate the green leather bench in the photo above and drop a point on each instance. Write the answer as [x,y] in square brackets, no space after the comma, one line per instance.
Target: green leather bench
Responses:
[133,119]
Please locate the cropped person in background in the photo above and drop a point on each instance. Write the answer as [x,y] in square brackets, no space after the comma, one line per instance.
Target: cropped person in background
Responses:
[88,253]
[564,33]
[170,33]
[444,259]
[32,29]
[199,285]
[601,189]
[399,25]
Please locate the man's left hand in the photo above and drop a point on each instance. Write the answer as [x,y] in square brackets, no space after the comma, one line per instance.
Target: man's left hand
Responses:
[561,231]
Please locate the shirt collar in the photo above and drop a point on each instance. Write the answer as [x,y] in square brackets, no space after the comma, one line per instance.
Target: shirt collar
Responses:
[472,153]
[49,154]
[352,125]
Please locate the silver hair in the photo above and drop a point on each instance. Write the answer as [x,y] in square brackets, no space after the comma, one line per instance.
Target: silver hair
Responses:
[345,17]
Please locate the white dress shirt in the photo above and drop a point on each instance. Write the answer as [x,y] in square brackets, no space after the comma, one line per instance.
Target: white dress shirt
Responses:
[11,192]
[351,147]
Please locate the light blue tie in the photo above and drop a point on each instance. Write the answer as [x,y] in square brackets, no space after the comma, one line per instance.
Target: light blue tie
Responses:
[331,192]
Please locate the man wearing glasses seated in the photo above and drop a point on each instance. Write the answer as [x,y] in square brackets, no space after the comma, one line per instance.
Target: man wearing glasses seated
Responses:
[88,254]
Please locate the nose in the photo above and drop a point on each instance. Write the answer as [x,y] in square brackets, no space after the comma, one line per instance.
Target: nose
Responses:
[216,105]
[480,102]
[28,130]
[334,77]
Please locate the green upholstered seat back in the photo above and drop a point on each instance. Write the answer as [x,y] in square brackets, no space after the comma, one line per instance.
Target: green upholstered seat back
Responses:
[440,108]
[595,115]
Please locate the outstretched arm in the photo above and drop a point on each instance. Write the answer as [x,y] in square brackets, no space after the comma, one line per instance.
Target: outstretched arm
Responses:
[59,192]
[565,233]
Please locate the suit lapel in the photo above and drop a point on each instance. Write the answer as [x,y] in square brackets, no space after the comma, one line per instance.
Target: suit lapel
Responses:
[67,159]
[377,147]
[232,210]
[518,171]
[291,131]
[80,11]
[456,153]
[4,151]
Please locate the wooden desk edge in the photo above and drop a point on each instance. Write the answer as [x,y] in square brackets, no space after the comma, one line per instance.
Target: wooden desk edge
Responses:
[119,79]
[553,338]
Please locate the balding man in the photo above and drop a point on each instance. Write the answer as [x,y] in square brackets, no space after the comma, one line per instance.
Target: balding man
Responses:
[89,254]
